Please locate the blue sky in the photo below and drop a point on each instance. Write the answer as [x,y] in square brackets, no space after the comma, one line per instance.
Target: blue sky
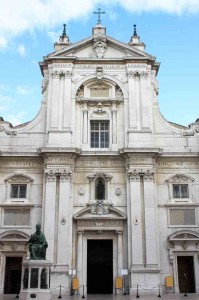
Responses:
[168,28]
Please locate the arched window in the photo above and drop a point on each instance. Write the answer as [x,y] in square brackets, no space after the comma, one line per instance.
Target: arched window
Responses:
[100,189]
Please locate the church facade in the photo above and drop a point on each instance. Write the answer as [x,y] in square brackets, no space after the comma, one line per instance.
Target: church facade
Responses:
[114,185]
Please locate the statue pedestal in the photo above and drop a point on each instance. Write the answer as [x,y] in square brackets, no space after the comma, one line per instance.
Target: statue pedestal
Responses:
[35,280]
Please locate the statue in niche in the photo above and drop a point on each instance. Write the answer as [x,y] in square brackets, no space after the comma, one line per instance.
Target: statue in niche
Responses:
[37,244]
[100,189]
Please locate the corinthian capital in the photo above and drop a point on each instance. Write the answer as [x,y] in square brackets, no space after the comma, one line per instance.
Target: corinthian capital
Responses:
[149,175]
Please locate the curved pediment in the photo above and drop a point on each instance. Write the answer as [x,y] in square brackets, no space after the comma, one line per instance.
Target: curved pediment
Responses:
[14,235]
[99,210]
[181,235]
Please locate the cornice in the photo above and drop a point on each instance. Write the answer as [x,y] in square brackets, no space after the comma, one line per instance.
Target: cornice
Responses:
[60,150]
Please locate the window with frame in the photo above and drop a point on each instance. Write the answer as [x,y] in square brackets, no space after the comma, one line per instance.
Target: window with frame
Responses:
[99,134]
[18,191]
[180,191]
[182,217]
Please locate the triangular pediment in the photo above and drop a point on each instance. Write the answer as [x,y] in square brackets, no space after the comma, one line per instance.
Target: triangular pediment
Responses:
[85,49]
[99,211]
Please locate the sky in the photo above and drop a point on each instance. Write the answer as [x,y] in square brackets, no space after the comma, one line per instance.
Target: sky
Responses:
[169,28]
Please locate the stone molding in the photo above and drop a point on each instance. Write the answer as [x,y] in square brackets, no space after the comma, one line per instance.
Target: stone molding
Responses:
[140,73]
[93,176]
[8,132]
[138,174]
[53,174]
[182,240]
[66,73]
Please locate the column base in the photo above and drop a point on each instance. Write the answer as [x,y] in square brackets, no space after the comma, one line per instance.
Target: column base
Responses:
[35,294]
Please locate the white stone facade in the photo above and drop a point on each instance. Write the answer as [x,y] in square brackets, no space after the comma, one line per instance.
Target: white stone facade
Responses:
[99,122]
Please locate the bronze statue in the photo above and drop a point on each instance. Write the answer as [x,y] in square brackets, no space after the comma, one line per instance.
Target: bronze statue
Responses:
[38,244]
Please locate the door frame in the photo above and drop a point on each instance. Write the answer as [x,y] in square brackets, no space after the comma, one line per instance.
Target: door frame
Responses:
[175,269]
[94,236]
[4,256]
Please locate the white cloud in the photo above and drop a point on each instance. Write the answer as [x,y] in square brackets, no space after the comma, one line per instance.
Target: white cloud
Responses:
[21,49]
[15,119]
[22,15]
[54,35]
[23,90]
[3,42]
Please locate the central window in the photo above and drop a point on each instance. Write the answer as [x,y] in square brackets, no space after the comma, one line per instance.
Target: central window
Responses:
[99,134]
[18,190]
[180,191]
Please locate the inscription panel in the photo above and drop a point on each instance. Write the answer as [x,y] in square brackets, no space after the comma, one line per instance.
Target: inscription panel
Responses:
[100,163]
[13,163]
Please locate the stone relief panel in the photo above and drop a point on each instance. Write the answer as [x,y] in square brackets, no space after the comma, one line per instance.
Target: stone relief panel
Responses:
[99,46]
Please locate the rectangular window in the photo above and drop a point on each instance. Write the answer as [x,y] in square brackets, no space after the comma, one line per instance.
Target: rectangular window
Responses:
[18,190]
[182,217]
[180,191]
[17,217]
[99,134]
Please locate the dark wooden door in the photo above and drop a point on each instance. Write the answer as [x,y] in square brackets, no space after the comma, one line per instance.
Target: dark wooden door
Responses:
[13,275]
[100,267]
[186,277]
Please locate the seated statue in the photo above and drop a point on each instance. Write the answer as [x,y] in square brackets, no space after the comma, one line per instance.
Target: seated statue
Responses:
[37,244]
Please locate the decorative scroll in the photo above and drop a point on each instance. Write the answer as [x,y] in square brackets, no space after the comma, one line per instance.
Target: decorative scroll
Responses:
[100,208]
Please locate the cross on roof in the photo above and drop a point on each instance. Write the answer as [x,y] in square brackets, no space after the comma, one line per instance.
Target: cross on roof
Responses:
[99,12]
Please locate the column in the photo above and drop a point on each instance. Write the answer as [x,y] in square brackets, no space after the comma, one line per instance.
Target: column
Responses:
[65,221]
[54,113]
[150,219]
[146,105]
[91,187]
[61,101]
[138,101]
[49,212]
[136,219]
[132,113]
[120,251]
[114,124]
[67,99]
[85,124]
[80,256]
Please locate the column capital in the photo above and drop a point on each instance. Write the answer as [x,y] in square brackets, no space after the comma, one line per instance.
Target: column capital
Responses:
[52,174]
[144,174]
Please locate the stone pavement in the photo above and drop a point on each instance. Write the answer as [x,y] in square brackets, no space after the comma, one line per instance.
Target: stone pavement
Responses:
[168,296]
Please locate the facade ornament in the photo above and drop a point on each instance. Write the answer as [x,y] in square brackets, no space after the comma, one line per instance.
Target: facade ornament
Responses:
[81,191]
[138,174]
[149,175]
[134,175]
[118,93]
[63,221]
[53,174]
[100,46]
[68,73]
[44,84]
[55,74]
[193,129]
[140,73]
[80,92]
[8,132]
[14,246]
[99,73]
[155,84]
[19,179]
[99,208]
[118,192]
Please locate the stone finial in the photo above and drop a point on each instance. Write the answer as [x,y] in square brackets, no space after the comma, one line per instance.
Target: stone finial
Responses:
[135,40]
[63,40]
